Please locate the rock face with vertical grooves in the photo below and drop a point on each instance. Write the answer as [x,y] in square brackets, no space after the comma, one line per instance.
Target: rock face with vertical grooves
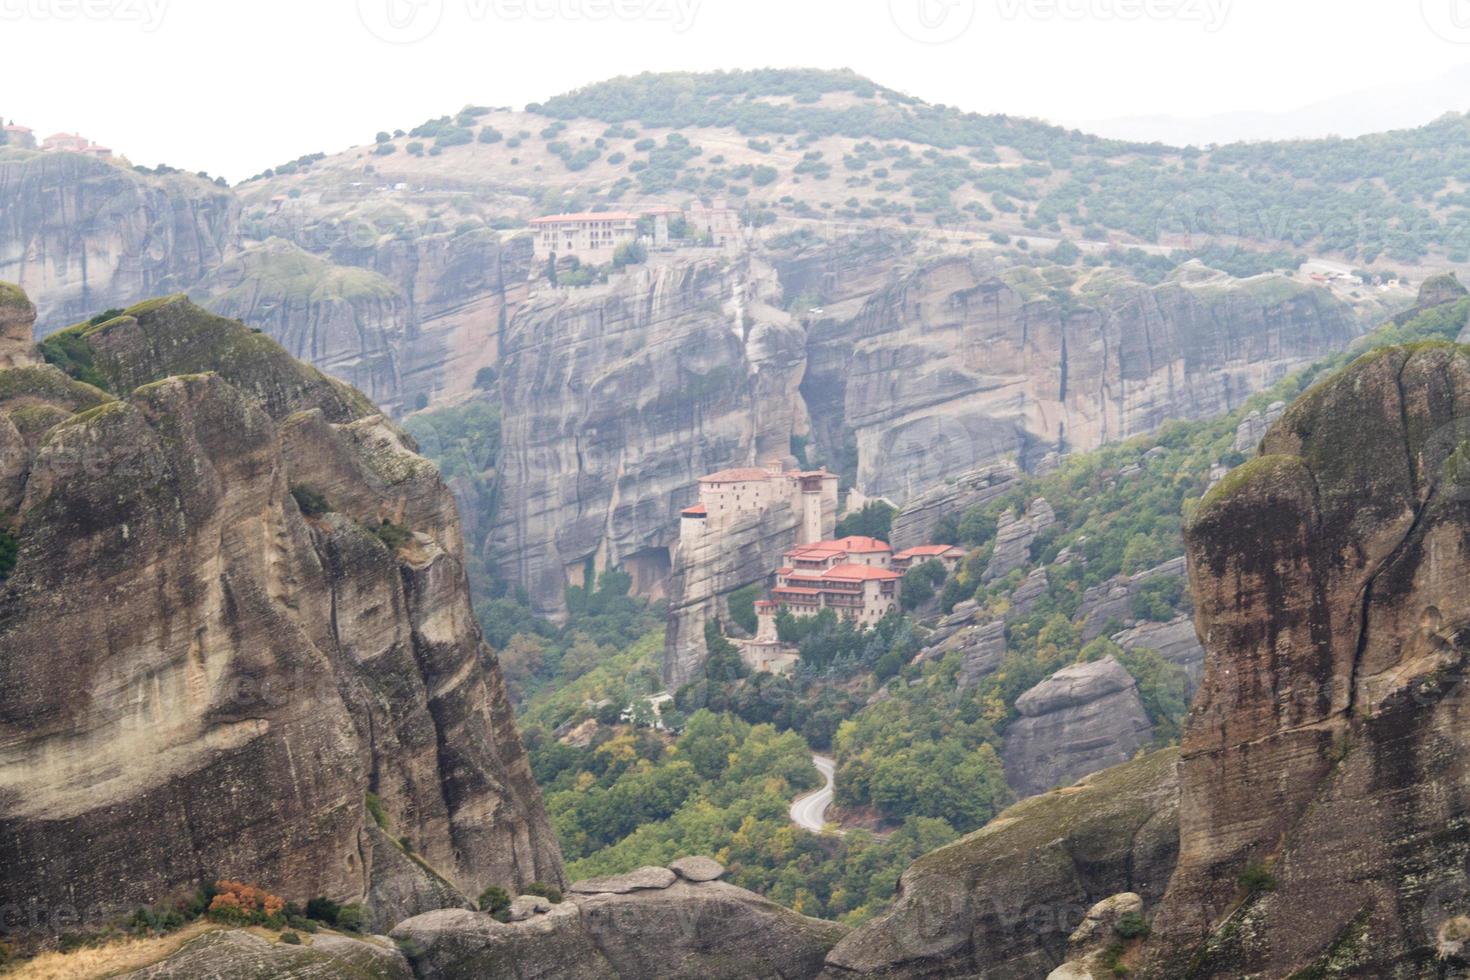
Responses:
[954,361]
[81,235]
[212,650]
[349,322]
[616,399]
[1326,744]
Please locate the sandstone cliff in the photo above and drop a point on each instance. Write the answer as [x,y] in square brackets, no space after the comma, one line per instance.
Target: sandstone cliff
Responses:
[81,235]
[348,322]
[616,399]
[954,361]
[213,647]
[409,313]
[915,369]
[707,568]
[1324,782]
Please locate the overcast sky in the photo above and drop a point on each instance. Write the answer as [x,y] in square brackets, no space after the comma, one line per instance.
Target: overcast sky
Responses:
[233,87]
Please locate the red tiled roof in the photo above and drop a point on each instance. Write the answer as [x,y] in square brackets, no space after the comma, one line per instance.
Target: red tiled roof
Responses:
[814,552]
[741,474]
[698,510]
[859,573]
[857,543]
[783,571]
[546,219]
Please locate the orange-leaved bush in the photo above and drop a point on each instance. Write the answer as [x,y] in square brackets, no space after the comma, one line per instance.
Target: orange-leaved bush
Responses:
[238,902]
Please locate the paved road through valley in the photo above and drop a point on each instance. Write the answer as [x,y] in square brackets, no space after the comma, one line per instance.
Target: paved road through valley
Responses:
[809,811]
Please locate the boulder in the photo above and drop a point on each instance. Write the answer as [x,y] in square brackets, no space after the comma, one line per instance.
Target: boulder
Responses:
[1079,720]
[697,868]
[632,881]
[1175,641]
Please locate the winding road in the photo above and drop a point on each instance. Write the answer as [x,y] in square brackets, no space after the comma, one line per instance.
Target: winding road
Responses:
[809,811]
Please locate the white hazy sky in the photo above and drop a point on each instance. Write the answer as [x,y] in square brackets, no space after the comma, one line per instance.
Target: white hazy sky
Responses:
[233,87]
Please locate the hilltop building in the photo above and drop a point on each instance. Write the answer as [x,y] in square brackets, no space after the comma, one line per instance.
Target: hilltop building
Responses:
[719,221]
[735,494]
[744,519]
[592,236]
[661,215]
[74,143]
[20,136]
[858,578]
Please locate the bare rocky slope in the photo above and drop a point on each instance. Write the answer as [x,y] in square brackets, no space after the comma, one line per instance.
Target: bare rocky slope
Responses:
[239,608]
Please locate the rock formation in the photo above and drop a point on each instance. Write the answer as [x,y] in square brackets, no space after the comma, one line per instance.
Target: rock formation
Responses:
[1324,783]
[17,319]
[1081,719]
[1251,428]
[406,313]
[1013,536]
[1175,641]
[617,399]
[707,568]
[953,362]
[653,922]
[916,522]
[913,372]
[1001,902]
[81,235]
[239,608]
[983,645]
[348,322]
[1091,943]
[238,953]
[1113,600]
